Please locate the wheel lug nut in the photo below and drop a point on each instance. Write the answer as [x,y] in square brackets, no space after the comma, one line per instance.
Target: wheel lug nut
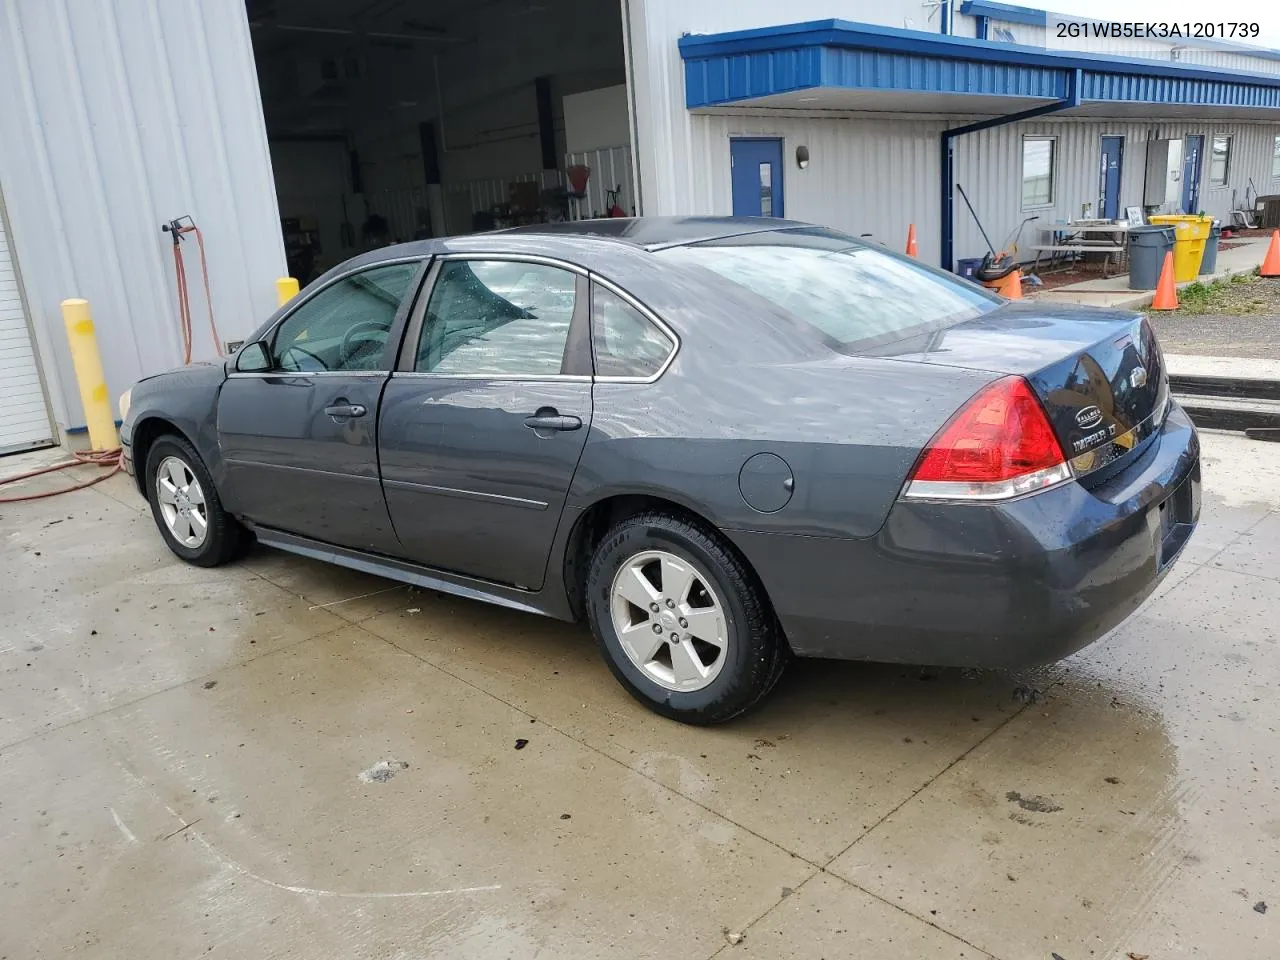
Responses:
[675,638]
[671,604]
[653,607]
[657,628]
[683,623]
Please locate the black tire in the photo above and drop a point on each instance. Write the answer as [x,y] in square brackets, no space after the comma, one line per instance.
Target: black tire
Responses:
[756,652]
[225,538]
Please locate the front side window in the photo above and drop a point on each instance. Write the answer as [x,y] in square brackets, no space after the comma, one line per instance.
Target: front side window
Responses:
[1039,157]
[497,318]
[345,326]
[857,295]
[626,343]
[1220,161]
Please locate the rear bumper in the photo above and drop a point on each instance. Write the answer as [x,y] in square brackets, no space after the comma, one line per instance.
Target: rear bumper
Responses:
[986,585]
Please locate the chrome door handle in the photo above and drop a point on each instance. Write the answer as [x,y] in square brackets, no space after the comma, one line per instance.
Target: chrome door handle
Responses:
[345,410]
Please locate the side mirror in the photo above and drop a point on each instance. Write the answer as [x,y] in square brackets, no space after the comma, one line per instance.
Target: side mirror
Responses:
[253,358]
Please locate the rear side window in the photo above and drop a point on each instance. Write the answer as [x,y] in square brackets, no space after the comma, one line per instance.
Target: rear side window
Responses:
[497,318]
[626,342]
[858,295]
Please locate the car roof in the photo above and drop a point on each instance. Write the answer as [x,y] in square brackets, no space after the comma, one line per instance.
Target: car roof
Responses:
[583,241]
[586,237]
[654,233]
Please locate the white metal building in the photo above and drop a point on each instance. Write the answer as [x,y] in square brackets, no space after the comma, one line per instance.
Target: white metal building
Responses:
[296,132]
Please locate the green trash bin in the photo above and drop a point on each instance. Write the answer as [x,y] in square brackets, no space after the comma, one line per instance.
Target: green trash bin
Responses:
[1209,262]
[1147,249]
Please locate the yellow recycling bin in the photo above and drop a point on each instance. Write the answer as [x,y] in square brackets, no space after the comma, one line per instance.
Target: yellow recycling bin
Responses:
[1190,234]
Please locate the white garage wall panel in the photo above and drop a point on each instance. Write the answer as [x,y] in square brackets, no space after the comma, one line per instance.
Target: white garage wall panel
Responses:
[24,414]
[114,118]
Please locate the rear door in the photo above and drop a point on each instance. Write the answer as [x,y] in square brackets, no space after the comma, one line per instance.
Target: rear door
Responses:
[299,440]
[485,418]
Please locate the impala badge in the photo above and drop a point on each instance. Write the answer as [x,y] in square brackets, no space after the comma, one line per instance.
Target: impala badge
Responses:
[1138,378]
[1088,417]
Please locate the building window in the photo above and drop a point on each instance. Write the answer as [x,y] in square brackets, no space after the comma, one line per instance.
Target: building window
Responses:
[1275,160]
[1220,161]
[1039,159]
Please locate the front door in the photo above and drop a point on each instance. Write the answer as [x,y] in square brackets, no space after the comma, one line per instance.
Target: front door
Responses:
[757,177]
[298,441]
[1191,164]
[1109,177]
[486,416]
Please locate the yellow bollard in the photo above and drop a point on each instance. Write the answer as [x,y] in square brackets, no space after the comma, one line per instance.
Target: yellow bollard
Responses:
[89,375]
[286,290]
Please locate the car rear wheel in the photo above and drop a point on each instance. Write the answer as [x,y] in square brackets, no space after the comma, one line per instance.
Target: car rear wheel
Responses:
[186,505]
[683,624]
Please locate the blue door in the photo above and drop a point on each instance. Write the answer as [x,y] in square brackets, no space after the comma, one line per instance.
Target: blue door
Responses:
[1191,174]
[757,177]
[1109,186]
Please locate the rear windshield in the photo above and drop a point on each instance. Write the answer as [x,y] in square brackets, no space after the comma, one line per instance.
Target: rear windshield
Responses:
[858,295]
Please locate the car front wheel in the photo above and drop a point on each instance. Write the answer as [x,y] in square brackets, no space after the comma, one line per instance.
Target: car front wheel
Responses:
[186,505]
[683,624]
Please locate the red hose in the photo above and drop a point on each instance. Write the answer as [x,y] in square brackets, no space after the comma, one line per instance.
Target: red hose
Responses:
[115,458]
[98,458]
[184,304]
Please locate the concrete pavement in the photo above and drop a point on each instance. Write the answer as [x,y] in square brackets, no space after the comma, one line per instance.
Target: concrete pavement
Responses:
[283,759]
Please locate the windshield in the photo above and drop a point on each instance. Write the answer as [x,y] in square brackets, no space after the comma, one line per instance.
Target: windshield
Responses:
[858,295]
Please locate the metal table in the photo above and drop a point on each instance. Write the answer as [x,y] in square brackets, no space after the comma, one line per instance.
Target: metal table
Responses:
[1074,238]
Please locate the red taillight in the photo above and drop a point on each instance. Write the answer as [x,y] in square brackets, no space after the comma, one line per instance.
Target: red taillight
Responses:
[999,444]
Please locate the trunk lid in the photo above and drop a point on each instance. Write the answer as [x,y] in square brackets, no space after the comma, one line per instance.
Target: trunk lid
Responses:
[1099,373]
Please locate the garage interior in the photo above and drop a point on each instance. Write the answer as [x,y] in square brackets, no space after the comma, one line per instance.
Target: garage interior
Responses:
[394,120]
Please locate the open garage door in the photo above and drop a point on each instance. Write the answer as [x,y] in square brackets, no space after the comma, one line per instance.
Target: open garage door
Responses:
[24,411]
[393,120]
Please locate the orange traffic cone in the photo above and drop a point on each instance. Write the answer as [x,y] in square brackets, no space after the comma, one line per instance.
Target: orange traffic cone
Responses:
[1166,293]
[912,250]
[1271,262]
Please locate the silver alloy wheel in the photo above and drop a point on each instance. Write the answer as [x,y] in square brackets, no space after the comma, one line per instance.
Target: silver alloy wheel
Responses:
[669,620]
[182,502]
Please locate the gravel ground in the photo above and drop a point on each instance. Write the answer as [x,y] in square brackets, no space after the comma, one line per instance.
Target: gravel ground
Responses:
[1239,318]
[1219,335]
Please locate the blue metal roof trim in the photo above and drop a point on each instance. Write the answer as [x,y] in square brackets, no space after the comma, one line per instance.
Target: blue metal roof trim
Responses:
[1114,88]
[746,76]
[1011,13]
[750,75]
[748,64]
[867,69]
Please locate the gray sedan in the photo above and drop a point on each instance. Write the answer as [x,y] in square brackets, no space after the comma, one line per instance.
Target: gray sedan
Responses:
[721,442]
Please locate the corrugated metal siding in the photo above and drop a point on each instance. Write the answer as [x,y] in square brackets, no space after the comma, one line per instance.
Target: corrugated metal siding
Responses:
[664,126]
[877,176]
[864,176]
[989,166]
[117,117]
